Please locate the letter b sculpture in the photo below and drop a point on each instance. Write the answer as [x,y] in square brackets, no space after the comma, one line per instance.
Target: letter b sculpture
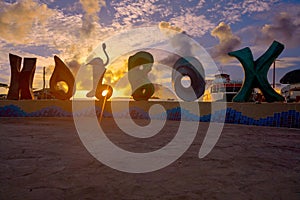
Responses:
[139,65]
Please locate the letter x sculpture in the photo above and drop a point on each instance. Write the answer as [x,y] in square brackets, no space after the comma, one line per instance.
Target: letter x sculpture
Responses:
[256,73]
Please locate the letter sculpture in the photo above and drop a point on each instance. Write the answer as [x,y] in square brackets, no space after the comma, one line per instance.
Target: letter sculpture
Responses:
[256,72]
[21,81]
[192,68]
[99,90]
[139,65]
[62,74]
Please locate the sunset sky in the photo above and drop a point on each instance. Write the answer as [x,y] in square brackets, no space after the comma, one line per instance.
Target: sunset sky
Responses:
[71,29]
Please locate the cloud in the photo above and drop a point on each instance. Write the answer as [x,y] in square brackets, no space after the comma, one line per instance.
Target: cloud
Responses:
[251,6]
[61,36]
[178,41]
[228,42]
[18,19]
[74,66]
[128,13]
[192,24]
[285,29]
[168,26]
[232,11]
[81,45]
[286,62]
[91,8]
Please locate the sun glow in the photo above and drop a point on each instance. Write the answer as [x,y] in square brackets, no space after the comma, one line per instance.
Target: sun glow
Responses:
[104,93]
[62,85]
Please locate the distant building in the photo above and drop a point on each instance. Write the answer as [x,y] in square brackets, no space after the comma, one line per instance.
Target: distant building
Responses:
[291,92]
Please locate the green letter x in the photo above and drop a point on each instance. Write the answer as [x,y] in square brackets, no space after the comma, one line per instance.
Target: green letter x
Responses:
[256,72]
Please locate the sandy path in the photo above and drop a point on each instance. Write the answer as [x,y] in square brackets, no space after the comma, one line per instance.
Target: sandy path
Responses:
[43,158]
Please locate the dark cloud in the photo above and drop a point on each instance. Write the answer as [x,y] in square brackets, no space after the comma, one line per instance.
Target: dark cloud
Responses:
[285,29]
[178,40]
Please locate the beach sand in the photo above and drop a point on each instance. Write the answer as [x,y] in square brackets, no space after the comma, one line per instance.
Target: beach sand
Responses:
[43,158]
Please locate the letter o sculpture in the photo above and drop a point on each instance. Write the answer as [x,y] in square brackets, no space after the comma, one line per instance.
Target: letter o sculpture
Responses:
[192,68]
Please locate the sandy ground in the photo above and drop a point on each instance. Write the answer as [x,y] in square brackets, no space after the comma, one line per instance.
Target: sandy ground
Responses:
[43,158]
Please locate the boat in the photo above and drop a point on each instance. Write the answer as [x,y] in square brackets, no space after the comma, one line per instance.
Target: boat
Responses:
[223,88]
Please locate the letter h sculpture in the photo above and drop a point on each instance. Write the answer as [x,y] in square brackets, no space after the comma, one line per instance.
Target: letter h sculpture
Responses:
[21,81]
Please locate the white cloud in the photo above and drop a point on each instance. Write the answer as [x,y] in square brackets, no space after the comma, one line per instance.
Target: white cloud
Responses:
[192,24]
[128,12]
[250,6]
[232,11]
